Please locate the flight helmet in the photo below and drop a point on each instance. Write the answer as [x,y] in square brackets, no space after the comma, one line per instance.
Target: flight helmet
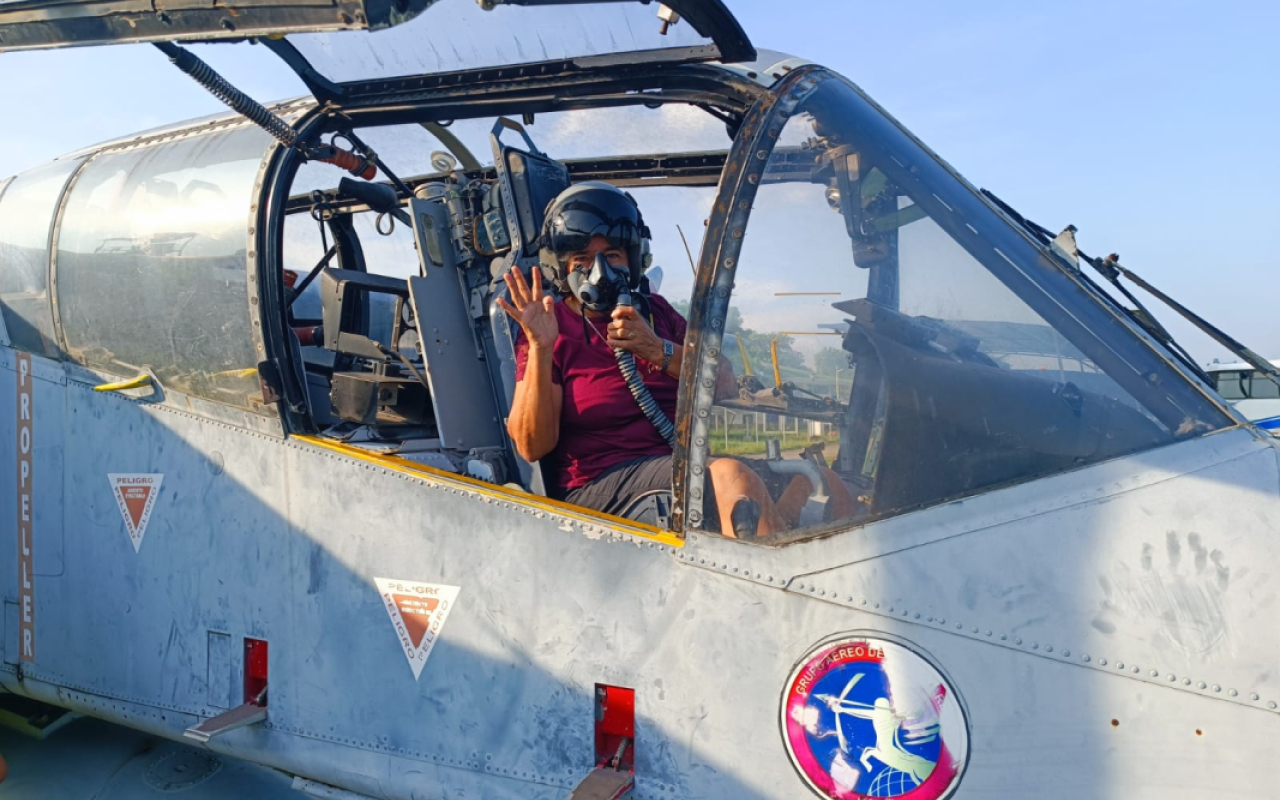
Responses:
[583,212]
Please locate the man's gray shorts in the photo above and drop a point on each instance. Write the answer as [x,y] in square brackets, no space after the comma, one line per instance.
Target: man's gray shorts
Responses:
[617,489]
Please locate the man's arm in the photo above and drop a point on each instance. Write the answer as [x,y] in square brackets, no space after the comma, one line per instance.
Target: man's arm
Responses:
[534,423]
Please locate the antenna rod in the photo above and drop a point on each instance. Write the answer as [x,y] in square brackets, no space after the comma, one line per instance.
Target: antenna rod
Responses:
[687,251]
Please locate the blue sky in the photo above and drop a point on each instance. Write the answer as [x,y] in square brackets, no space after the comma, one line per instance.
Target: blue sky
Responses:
[1149,125]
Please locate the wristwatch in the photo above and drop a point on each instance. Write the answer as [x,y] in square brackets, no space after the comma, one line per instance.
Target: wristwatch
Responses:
[668,350]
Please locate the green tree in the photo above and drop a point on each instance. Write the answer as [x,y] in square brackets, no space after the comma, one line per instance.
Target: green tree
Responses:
[758,349]
[829,359]
[791,362]
[732,322]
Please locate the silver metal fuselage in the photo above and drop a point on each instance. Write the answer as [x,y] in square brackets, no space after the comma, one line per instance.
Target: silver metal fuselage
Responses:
[1108,631]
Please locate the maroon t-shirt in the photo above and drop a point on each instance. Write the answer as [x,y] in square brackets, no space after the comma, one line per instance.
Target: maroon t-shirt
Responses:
[601,425]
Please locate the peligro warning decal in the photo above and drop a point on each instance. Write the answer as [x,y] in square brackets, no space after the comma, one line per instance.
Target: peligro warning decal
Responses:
[136,495]
[418,612]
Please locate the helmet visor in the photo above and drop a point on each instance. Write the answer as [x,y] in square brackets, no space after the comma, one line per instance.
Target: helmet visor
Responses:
[579,220]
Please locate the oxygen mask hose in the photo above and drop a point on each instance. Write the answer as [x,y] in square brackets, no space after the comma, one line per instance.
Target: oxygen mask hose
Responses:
[650,407]
[598,286]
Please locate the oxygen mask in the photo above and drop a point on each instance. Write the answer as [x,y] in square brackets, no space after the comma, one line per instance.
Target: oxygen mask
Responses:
[602,288]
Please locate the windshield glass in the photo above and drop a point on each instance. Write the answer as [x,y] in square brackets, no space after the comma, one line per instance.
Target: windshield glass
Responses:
[26,214]
[892,331]
[459,35]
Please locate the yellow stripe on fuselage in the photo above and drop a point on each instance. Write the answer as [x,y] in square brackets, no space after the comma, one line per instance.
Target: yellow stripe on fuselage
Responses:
[565,510]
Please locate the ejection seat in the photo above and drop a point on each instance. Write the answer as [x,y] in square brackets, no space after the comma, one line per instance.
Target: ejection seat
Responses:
[504,344]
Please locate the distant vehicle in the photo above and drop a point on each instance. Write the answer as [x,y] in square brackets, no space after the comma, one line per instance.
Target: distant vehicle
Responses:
[259,496]
[1254,394]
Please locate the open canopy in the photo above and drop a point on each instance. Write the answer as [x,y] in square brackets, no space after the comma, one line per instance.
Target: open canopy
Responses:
[455,34]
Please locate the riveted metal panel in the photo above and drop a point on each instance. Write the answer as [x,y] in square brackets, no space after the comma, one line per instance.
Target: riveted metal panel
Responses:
[11,628]
[214,534]
[548,606]
[42,501]
[1141,584]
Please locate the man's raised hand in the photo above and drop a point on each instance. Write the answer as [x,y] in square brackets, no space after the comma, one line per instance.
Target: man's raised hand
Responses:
[531,308]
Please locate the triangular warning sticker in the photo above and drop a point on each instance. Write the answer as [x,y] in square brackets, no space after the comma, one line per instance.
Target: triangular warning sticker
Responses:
[417,612]
[136,495]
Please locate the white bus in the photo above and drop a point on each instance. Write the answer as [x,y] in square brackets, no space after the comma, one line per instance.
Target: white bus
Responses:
[1256,395]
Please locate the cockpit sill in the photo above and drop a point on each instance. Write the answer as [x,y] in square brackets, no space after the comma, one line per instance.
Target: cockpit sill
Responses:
[1005,501]
[988,509]
[588,522]
[86,378]
[991,507]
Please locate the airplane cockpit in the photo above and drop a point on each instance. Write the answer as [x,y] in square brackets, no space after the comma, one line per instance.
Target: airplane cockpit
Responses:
[402,347]
[886,324]
[874,332]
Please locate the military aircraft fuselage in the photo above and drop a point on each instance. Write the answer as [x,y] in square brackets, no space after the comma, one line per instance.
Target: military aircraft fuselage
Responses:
[264,497]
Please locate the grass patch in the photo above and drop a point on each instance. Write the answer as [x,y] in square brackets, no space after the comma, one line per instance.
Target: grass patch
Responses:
[743,443]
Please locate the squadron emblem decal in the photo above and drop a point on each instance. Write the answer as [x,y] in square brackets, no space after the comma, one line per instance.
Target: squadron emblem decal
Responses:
[418,612]
[867,717]
[136,495]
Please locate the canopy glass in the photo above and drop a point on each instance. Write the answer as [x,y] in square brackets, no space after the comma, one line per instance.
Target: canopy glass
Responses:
[459,35]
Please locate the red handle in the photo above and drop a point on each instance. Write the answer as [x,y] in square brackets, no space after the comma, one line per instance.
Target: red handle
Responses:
[310,336]
[356,165]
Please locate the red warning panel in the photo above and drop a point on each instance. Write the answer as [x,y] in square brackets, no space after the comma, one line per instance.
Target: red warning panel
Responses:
[615,727]
[136,495]
[418,612]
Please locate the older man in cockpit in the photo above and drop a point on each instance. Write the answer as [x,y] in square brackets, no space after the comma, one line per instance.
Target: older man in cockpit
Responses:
[573,409]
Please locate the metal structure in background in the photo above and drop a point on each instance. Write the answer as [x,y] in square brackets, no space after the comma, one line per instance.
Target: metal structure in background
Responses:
[267,515]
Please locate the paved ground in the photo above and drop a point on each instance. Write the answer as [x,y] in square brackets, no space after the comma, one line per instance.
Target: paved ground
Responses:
[88,759]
